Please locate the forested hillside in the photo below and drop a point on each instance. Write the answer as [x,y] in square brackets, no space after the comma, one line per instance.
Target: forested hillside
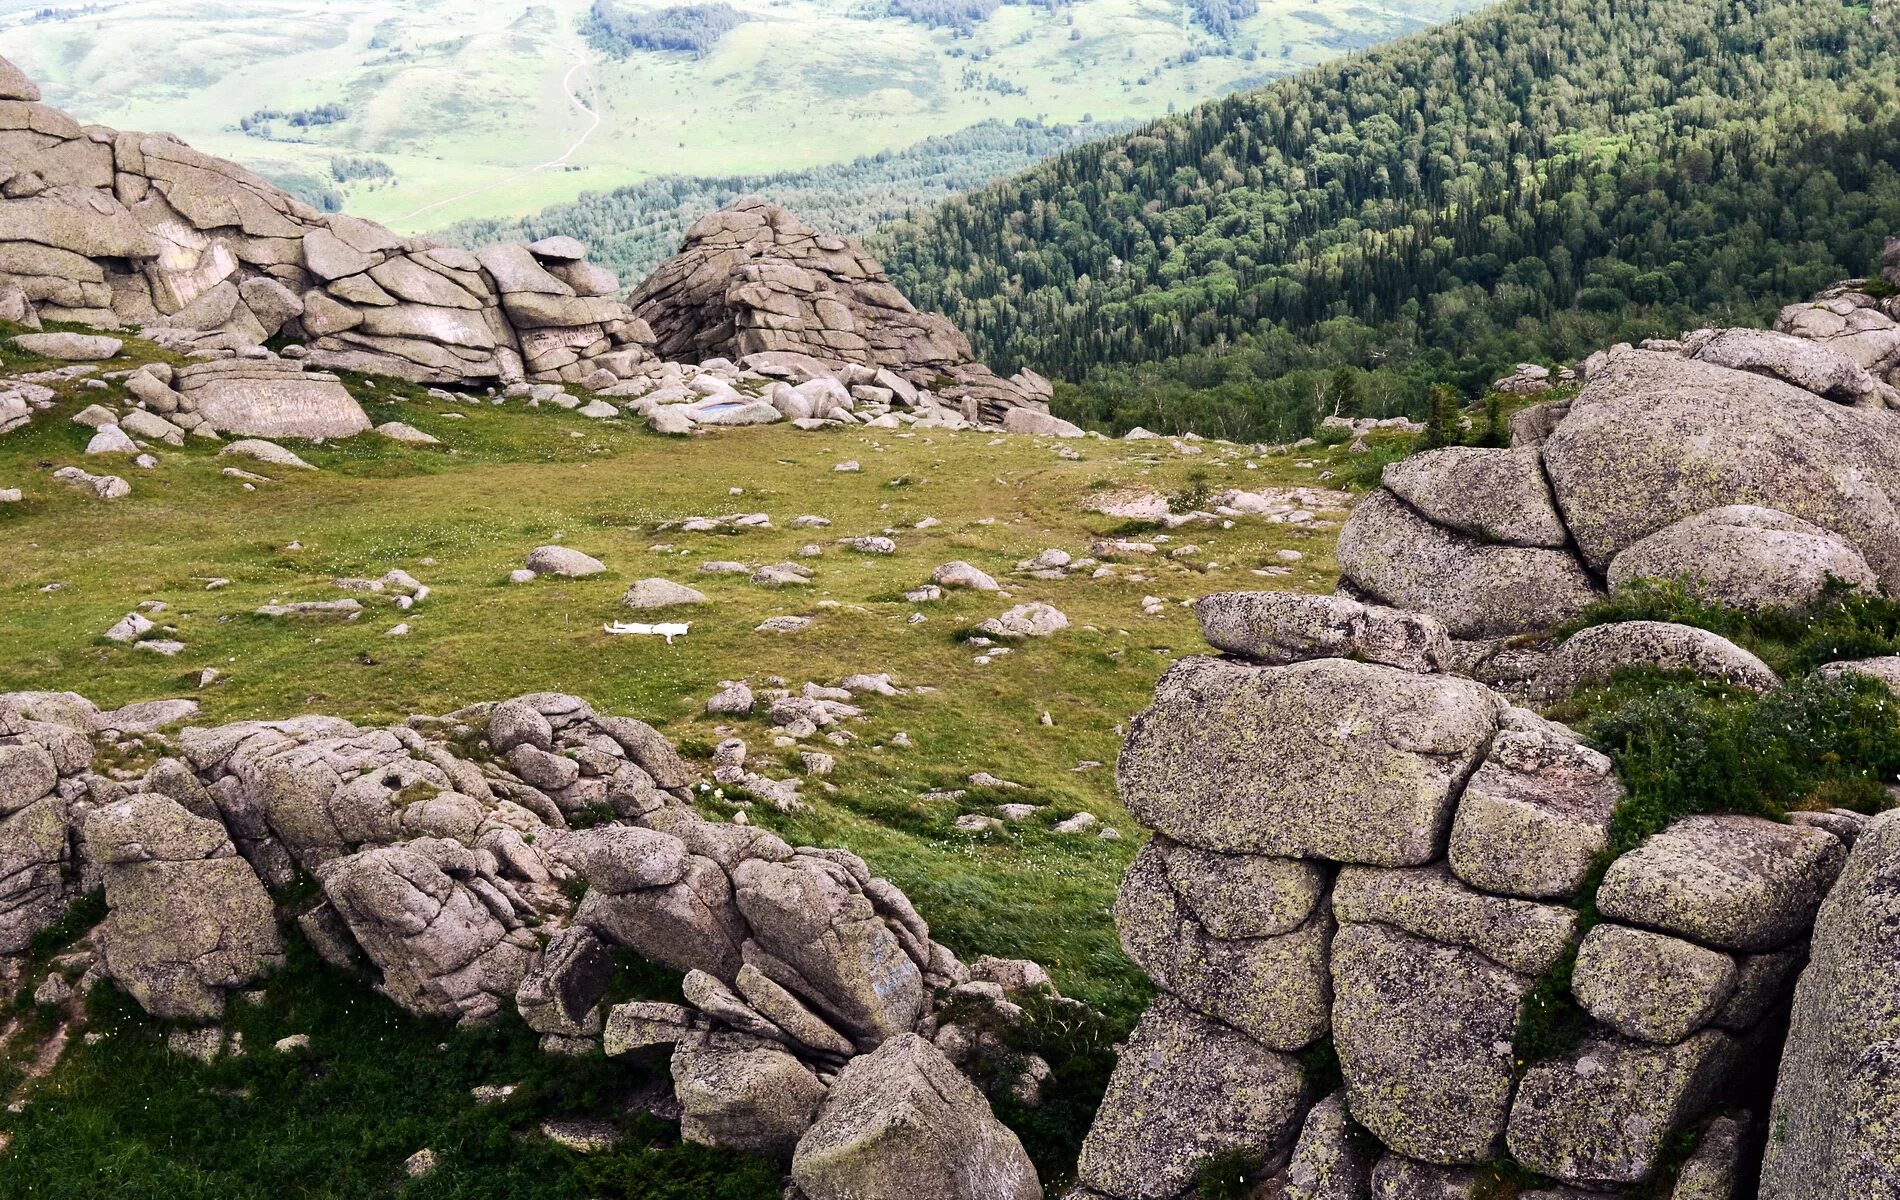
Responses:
[1531,182]
[633,228]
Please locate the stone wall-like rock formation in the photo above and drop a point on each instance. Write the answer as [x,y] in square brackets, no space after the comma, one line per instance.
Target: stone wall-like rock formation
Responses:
[751,280]
[116,229]
[1393,860]
[449,870]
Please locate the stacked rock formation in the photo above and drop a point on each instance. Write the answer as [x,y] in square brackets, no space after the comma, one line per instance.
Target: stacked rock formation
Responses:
[753,284]
[1353,845]
[447,866]
[1753,464]
[116,229]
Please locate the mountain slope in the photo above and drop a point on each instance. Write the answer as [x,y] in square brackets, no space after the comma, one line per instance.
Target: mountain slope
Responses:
[1531,182]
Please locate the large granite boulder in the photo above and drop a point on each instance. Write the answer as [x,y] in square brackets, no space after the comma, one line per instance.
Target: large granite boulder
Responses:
[1496,496]
[1654,438]
[449,937]
[1836,1113]
[1595,655]
[901,1121]
[1188,1091]
[1363,765]
[187,919]
[751,1097]
[1272,987]
[1808,364]
[1746,556]
[1477,588]
[753,283]
[1535,815]
[1729,882]
[1424,1033]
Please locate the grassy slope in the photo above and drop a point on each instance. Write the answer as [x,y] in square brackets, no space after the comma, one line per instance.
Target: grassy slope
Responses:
[458,95]
[514,478]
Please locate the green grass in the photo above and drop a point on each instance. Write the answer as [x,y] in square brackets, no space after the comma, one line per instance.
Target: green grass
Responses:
[124,1118]
[461,516]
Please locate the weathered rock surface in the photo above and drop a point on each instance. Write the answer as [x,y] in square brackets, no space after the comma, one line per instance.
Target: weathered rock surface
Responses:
[1601,1115]
[1730,882]
[1496,496]
[1837,1104]
[1594,655]
[1424,1033]
[1649,986]
[1272,988]
[753,284]
[1745,556]
[1534,816]
[901,1121]
[1477,589]
[188,919]
[1654,438]
[1277,628]
[1187,1091]
[755,1098]
[1365,770]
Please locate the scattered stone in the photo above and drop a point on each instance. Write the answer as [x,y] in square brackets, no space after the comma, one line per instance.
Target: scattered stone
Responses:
[661,593]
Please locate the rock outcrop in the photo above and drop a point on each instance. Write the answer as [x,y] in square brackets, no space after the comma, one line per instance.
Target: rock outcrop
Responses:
[449,870]
[753,284]
[117,229]
[1394,862]
[1753,467]
[131,230]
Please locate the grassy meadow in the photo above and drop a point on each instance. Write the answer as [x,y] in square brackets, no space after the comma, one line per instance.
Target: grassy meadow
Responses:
[507,478]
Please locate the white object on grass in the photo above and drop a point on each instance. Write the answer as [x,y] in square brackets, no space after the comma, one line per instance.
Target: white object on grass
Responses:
[669,631]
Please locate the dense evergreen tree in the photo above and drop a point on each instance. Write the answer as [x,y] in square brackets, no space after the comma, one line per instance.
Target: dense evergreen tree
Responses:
[1527,183]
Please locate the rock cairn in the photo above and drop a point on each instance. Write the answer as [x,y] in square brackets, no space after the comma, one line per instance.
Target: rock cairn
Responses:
[1718,459]
[455,869]
[1356,849]
[752,283]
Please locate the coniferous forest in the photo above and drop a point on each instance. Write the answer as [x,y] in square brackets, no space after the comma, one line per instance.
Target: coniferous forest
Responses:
[1529,183]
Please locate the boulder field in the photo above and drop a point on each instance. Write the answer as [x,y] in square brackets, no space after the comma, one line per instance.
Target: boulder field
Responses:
[448,872]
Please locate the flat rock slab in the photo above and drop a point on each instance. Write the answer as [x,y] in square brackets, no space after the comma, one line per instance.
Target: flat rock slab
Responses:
[1278,628]
[1425,1033]
[280,408]
[1429,902]
[69,347]
[1493,495]
[1731,882]
[1329,759]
